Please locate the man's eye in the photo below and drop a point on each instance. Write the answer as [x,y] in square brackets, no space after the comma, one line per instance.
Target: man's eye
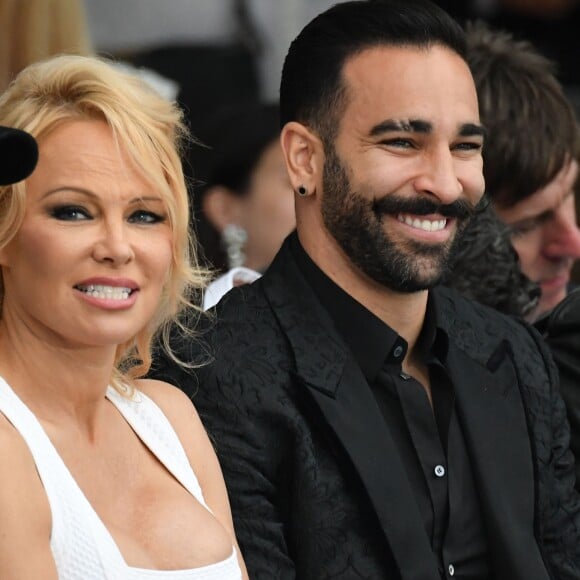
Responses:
[70,213]
[518,230]
[402,143]
[145,217]
[469,146]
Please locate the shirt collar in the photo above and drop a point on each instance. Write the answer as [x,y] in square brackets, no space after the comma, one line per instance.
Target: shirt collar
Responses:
[373,343]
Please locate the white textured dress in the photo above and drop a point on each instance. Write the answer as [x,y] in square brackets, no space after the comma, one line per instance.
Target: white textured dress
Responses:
[82,547]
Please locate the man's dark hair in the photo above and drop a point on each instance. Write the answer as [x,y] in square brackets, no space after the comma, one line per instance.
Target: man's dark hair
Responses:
[531,127]
[312,89]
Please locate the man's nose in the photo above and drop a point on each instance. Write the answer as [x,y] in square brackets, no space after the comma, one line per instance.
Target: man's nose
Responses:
[439,178]
[562,237]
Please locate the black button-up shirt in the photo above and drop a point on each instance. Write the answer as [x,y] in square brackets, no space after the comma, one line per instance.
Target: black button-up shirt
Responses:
[429,438]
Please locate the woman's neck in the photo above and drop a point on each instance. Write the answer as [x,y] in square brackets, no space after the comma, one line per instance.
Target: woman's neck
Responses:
[56,382]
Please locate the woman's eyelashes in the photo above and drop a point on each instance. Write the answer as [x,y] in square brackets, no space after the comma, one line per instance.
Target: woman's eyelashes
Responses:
[143,216]
[69,212]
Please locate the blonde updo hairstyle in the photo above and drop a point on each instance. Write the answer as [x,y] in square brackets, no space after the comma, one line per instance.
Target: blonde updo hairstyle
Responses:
[151,131]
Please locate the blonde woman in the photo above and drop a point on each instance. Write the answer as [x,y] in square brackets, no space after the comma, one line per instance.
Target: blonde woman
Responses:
[105,474]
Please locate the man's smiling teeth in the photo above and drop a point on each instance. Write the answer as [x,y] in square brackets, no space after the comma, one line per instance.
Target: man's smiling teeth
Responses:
[105,292]
[425,225]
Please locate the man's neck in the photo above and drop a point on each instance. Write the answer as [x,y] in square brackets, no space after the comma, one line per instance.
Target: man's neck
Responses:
[403,312]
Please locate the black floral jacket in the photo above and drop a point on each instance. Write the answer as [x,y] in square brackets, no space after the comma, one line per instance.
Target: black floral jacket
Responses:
[316,485]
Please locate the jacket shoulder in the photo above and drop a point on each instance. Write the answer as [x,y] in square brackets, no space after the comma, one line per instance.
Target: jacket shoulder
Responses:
[478,329]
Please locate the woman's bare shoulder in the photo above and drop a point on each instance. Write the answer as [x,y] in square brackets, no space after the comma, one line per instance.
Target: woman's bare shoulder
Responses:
[176,406]
[168,397]
[180,411]
[16,456]
[24,511]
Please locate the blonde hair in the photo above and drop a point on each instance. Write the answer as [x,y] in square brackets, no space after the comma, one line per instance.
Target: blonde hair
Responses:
[34,30]
[151,131]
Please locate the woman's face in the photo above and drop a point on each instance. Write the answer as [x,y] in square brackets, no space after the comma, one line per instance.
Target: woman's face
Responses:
[267,211]
[91,258]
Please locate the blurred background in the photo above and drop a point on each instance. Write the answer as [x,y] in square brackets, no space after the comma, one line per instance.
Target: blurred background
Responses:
[230,50]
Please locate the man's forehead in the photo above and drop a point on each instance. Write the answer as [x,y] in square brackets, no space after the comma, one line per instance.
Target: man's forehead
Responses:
[409,85]
[369,62]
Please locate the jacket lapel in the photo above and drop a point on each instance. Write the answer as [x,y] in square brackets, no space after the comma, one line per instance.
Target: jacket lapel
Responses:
[489,405]
[333,383]
[494,424]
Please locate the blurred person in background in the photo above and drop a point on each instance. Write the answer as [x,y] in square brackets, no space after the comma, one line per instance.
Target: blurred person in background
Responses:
[244,199]
[531,168]
[486,268]
[561,331]
[530,156]
[550,25]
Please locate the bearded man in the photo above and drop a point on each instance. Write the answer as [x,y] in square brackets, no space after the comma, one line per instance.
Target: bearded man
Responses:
[369,423]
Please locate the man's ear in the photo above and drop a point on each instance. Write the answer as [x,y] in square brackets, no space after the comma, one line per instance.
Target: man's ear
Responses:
[304,156]
[221,207]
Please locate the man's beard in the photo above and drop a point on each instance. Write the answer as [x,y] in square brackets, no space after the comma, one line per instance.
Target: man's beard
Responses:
[356,223]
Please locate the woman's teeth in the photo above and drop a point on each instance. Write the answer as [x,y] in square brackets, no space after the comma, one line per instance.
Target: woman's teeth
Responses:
[106,292]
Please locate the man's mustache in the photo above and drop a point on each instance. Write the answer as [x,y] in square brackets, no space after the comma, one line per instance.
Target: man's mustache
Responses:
[459,209]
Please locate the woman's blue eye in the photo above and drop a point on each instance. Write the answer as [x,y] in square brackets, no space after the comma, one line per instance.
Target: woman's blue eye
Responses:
[70,213]
[145,217]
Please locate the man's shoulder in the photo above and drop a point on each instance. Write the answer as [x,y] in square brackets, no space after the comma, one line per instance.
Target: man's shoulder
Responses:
[470,312]
[243,305]
[477,328]
[491,339]
[243,321]
[564,319]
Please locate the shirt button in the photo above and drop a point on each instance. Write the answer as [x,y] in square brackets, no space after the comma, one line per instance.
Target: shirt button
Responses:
[398,351]
[440,472]
[451,570]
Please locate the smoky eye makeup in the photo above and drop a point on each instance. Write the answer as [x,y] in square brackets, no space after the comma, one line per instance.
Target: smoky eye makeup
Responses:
[69,212]
[144,216]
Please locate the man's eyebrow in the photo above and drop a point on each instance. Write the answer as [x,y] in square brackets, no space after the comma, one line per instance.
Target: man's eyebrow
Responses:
[472,130]
[408,126]
[419,126]
[532,221]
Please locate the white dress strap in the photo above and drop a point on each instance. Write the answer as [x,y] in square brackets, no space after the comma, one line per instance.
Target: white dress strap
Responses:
[73,542]
[82,546]
[154,429]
